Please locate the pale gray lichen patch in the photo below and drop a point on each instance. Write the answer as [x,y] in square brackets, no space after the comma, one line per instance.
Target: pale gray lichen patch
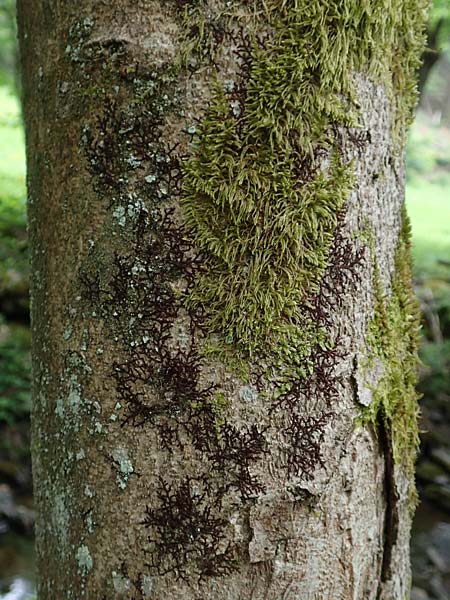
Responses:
[248,393]
[79,32]
[59,408]
[121,584]
[71,404]
[64,87]
[80,454]
[85,341]
[75,360]
[88,492]
[134,162]
[67,332]
[147,586]
[90,523]
[124,465]
[120,216]
[59,517]
[41,398]
[74,397]
[136,208]
[367,376]
[160,46]
[84,560]
[98,427]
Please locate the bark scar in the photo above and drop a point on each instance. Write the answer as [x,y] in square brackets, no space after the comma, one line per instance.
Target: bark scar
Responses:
[391,519]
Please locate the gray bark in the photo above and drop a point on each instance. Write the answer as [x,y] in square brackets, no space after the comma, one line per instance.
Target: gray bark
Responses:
[136,503]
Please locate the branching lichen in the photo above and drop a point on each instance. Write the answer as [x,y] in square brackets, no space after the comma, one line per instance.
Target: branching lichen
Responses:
[188,533]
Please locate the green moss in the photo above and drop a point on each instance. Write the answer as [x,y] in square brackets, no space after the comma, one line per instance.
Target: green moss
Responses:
[264,235]
[265,183]
[393,340]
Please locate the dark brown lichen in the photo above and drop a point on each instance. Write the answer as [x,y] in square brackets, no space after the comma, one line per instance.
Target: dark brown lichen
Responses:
[187,535]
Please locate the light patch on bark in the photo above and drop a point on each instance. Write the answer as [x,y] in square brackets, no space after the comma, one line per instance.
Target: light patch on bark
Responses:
[125,466]
[367,376]
[84,559]
[121,584]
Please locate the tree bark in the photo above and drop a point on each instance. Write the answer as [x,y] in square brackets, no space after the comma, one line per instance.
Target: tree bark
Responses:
[223,329]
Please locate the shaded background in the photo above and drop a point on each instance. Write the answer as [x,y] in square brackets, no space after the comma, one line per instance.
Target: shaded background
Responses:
[428,200]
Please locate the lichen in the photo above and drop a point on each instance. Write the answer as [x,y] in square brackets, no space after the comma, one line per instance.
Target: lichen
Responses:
[124,466]
[70,406]
[147,586]
[393,340]
[59,518]
[84,559]
[80,455]
[120,215]
[188,530]
[121,584]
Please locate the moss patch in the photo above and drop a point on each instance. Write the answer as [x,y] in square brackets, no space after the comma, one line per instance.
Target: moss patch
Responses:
[265,183]
[393,339]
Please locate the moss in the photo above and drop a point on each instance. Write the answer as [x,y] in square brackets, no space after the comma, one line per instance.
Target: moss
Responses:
[393,340]
[265,182]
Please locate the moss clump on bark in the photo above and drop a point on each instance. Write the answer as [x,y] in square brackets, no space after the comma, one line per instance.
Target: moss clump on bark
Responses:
[265,182]
[393,340]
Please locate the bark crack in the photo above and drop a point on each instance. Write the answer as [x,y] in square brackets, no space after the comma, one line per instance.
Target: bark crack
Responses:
[391,518]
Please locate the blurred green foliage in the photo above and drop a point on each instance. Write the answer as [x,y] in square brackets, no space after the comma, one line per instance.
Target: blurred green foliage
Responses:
[12,163]
[15,368]
[428,151]
[15,372]
[428,197]
[14,333]
[434,384]
[8,45]
[435,381]
[440,10]
[13,247]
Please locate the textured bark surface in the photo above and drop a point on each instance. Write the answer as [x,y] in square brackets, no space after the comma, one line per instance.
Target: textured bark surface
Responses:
[161,471]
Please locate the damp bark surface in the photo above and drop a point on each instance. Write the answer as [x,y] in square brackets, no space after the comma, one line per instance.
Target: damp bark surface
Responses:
[224,333]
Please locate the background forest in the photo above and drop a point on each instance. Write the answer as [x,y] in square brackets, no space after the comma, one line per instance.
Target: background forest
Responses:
[428,200]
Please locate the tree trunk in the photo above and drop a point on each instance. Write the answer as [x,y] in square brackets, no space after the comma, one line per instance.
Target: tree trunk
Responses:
[224,333]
